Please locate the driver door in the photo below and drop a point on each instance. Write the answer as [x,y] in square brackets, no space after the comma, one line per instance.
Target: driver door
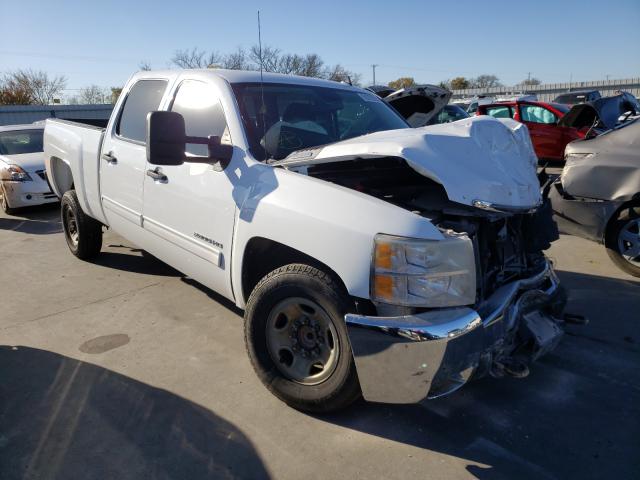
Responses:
[190,212]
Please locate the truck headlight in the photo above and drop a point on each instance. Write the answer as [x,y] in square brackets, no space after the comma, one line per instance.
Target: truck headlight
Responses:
[423,273]
[14,173]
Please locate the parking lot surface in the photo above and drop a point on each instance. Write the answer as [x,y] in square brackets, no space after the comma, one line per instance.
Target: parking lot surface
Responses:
[123,368]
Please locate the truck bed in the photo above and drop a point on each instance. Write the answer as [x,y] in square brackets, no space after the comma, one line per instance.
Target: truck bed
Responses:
[72,160]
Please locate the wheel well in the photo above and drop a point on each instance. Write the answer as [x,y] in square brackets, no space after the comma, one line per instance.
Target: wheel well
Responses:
[61,177]
[262,256]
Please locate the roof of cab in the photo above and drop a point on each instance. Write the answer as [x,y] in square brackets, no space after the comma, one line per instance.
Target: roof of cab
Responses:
[243,76]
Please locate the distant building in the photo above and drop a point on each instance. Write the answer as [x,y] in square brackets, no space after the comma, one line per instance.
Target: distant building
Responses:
[20,114]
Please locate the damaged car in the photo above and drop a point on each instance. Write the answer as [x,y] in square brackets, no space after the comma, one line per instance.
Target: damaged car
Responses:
[598,194]
[371,259]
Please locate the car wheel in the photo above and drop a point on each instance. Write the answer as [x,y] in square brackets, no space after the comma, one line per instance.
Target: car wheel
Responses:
[622,240]
[83,233]
[297,339]
[4,202]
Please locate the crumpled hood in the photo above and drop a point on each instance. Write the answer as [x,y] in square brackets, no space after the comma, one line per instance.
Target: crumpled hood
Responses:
[476,159]
[30,162]
[607,110]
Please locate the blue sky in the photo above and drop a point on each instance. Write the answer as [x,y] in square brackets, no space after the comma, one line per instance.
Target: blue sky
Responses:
[103,42]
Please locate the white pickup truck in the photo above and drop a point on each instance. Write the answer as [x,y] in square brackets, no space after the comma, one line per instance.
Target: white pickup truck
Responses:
[371,259]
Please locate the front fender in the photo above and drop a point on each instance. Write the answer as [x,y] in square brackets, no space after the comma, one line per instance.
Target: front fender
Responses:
[330,223]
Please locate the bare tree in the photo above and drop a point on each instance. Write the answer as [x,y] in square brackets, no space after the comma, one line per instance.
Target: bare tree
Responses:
[530,81]
[290,64]
[41,88]
[485,81]
[338,73]
[93,94]
[195,58]
[270,58]
[144,66]
[236,61]
[312,66]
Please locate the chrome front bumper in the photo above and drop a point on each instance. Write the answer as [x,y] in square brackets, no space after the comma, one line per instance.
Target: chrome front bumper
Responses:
[409,358]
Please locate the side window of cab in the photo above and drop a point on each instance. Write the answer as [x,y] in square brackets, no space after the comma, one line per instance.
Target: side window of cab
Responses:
[144,97]
[200,106]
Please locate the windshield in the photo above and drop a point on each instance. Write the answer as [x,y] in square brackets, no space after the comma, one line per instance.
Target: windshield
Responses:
[571,98]
[450,113]
[16,142]
[295,117]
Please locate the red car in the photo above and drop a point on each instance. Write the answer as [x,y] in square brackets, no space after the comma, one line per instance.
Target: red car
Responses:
[548,138]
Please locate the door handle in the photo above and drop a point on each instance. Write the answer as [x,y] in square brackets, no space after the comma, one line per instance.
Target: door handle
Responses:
[110,158]
[157,175]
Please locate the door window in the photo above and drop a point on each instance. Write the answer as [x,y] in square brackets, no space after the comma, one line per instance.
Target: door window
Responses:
[537,114]
[203,116]
[500,112]
[144,97]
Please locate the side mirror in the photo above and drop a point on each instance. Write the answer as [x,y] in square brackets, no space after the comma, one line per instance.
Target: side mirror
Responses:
[217,151]
[166,138]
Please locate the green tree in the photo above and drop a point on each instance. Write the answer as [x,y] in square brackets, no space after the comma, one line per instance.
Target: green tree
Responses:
[402,82]
[459,83]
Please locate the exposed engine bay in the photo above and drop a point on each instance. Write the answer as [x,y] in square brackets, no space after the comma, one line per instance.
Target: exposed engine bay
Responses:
[508,246]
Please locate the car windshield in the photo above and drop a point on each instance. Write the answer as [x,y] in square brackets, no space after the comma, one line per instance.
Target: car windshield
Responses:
[282,118]
[450,113]
[16,142]
[571,98]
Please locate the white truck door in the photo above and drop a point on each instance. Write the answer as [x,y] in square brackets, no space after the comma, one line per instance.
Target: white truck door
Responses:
[191,212]
[124,158]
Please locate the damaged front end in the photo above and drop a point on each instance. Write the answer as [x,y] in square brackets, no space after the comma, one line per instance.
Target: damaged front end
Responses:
[407,353]
[411,354]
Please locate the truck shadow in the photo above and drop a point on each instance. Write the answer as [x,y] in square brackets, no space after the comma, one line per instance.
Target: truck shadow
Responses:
[575,416]
[64,418]
[127,259]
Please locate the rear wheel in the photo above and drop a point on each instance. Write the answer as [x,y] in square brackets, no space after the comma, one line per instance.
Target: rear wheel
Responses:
[622,240]
[83,233]
[297,339]
[4,202]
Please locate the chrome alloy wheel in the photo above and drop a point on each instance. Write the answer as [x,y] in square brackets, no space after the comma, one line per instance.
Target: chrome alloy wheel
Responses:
[629,241]
[302,341]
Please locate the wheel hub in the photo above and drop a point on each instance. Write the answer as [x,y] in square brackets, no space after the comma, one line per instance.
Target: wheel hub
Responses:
[302,341]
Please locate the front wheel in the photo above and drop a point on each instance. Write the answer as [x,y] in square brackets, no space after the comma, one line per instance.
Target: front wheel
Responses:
[297,339]
[4,202]
[83,233]
[622,240]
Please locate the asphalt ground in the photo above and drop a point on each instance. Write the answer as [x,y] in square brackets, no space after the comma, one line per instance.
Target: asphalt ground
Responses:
[124,369]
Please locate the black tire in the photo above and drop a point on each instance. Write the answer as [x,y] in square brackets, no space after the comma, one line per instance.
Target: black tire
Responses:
[627,218]
[298,281]
[4,202]
[83,233]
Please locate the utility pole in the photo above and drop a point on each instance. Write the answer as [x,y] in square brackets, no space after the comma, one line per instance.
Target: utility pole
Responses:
[374,72]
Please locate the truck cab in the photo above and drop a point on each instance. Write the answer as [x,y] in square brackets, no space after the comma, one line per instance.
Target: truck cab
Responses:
[371,259]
